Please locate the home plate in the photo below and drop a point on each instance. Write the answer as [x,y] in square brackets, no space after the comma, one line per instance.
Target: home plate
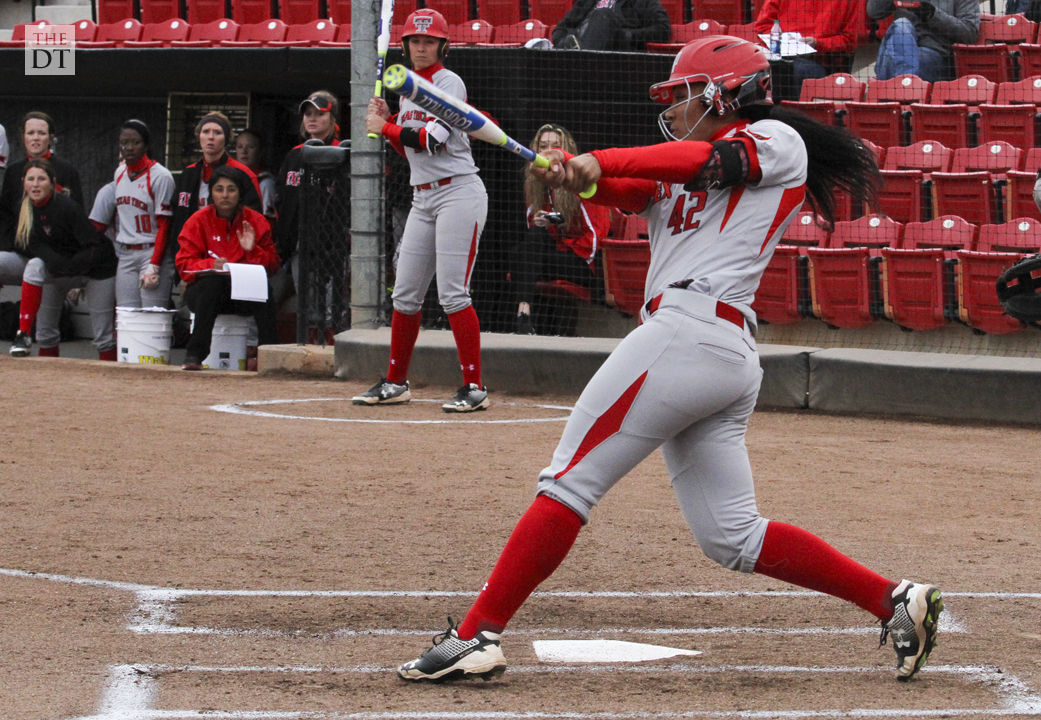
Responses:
[603,651]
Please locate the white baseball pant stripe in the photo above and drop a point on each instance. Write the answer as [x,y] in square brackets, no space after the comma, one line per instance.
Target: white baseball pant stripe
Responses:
[685,381]
[441,236]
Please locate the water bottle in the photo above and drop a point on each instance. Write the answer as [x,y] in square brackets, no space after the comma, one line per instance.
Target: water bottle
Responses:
[775,41]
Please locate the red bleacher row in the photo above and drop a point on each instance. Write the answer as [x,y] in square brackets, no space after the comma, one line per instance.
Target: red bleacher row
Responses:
[919,275]
[272,32]
[496,12]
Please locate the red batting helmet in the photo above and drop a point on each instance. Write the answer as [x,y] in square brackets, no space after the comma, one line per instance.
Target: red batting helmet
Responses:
[736,73]
[426,22]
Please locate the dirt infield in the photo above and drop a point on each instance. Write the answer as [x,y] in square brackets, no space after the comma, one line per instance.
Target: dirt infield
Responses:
[276,558]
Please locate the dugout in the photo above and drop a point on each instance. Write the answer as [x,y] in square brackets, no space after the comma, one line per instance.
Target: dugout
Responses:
[602,97]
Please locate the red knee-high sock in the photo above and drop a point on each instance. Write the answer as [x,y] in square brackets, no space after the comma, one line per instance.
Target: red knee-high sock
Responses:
[466,329]
[541,540]
[404,329]
[801,558]
[29,306]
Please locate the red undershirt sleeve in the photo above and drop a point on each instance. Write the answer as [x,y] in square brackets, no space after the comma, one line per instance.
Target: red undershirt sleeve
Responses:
[392,132]
[162,226]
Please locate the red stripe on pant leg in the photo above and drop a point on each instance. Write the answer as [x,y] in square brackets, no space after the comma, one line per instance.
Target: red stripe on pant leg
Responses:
[606,425]
[471,257]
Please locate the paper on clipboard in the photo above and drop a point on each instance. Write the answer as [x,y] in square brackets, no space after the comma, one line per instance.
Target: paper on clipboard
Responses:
[791,44]
[248,282]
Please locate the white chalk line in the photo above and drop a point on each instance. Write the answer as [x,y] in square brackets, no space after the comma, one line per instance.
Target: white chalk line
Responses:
[246,408]
[131,689]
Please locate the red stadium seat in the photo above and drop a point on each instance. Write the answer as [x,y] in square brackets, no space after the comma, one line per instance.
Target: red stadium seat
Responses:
[18,34]
[472,32]
[840,87]
[926,156]
[904,89]
[519,33]
[967,89]
[626,260]
[307,34]
[340,11]
[745,31]
[901,196]
[455,11]
[110,11]
[998,247]
[727,12]
[882,122]
[918,277]
[1031,161]
[946,124]
[209,34]
[299,12]
[844,283]
[86,30]
[681,34]
[499,12]
[996,157]
[822,111]
[159,11]
[993,62]
[1009,29]
[342,38]
[968,194]
[783,294]
[201,12]
[1019,193]
[548,11]
[161,34]
[1015,124]
[110,35]
[257,34]
[1029,59]
[250,12]
[1026,91]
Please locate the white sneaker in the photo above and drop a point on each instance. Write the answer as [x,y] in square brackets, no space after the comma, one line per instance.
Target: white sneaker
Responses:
[451,658]
[916,614]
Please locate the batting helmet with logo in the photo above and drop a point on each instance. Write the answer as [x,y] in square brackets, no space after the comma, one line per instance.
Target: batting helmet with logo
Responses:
[426,22]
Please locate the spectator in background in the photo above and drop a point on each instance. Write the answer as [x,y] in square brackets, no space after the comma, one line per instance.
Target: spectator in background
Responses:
[192,193]
[249,150]
[222,232]
[919,40]
[143,192]
[318,121]
[831,27]
[65,251]
[612,25]
[38,136]
[563,233]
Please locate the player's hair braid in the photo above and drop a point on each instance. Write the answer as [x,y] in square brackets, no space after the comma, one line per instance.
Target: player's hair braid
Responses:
[536,192]
[836,160]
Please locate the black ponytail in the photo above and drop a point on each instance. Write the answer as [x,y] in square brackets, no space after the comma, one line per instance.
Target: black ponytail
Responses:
[836,160]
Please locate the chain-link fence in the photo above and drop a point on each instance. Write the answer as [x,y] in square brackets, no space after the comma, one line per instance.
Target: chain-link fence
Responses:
[323,293]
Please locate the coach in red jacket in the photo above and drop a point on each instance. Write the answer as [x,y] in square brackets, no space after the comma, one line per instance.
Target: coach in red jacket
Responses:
[832,27]
[223,232]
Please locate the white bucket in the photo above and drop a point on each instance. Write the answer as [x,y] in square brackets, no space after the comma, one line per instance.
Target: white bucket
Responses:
[144,335]
[228,344]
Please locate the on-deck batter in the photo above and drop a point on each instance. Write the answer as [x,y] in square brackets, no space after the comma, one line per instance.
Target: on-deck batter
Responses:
[449,207]
[717,201]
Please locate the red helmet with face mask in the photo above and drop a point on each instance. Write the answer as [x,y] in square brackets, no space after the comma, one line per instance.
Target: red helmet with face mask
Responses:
[736,73]
[430,23]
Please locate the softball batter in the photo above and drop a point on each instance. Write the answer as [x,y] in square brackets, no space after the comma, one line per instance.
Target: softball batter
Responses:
[717,200]
[449,207]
